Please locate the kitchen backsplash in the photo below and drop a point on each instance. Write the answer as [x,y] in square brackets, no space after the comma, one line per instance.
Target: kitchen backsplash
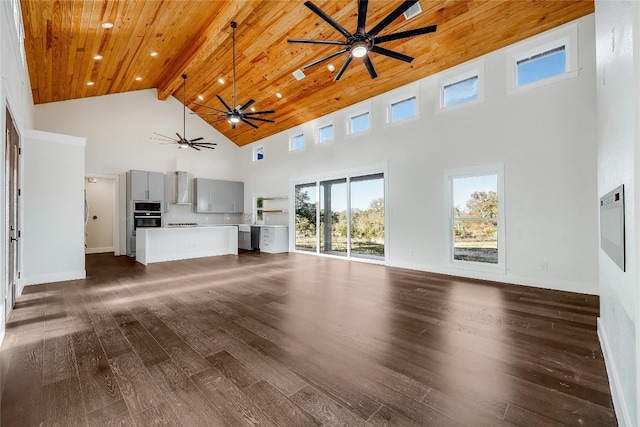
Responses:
[185,214]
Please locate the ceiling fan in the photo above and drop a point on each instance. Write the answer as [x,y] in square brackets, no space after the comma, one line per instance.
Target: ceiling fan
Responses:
[361,43]
[238,113]
[182,140]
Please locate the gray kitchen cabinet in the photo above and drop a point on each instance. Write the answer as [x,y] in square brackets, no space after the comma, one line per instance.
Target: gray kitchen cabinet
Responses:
[217,196]
[202,188]
[145,185]
[237,197]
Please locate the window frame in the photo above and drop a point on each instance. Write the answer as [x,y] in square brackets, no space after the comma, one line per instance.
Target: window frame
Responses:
[399,96]
[257,210]
[458,75]
[467,172]
[357,111]
[293,136]
[255,153]
[566,36]
[325,125]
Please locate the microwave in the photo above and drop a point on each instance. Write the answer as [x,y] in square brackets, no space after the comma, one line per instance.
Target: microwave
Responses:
[147,207]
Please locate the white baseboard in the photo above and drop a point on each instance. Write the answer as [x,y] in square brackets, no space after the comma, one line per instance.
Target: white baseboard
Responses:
[56,277]
[557,285]
[619,404]
[98,250]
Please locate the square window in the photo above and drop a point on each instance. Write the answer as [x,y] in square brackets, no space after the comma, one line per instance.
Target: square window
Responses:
[541,66]
[258,154]
[296,142]
[359,123]
[325,133]
[460,92]
[404,109]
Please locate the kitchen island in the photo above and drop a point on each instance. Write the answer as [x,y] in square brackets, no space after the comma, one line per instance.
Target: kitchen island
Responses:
[175,243]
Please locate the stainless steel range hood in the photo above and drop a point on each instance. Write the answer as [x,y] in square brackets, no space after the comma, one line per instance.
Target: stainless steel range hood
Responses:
[180,188]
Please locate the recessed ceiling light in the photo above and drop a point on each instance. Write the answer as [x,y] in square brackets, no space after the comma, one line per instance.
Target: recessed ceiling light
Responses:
[278,94]
[138,78]
[201,98]
[221,80]
[253,108]
[154,53]
[90,83]
[97,57]
[331,67]
[107,25]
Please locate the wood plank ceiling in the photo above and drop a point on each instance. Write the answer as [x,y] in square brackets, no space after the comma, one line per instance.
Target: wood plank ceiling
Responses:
[193,37]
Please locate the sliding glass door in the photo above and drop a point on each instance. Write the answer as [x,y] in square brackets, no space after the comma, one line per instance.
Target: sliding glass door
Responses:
[342,217]
[367,216]
[333,217]
[306,217]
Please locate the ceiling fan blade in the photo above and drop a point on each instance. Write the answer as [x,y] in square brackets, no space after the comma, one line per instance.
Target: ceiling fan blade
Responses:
[247,105]
[369,65]
[315,9]
[316,41]
[164,136]
[169,140]
[391,54]
[181,138]
[405,34]
[260,112]
[249,123]
[194,140]
[261,119]
[392,16]
[205,143]
[193,146]
[340,52]
[343,68]
[206,106]
[216,121]
[166,142]
[206,146]
[224,103]
[362,15]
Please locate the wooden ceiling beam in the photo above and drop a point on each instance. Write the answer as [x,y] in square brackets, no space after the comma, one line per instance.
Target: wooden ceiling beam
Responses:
[201,47]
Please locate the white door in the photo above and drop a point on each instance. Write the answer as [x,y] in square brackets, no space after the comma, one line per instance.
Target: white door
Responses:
[12,207]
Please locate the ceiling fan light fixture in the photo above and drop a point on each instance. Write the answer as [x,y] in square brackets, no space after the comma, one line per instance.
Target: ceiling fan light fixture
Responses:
[234,119]
[183,145]
[359,49]
[107,25]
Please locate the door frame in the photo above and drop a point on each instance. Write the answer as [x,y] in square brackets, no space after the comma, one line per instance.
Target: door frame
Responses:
[16,289]
[116,206]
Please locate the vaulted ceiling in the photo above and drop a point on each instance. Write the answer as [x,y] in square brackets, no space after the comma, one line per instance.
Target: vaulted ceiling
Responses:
[62,38]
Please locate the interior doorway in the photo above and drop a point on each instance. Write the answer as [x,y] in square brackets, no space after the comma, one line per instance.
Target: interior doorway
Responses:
[12,210]
[99,215]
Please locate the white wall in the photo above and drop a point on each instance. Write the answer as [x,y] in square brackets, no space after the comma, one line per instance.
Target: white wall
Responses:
[618,94]
[100,200]
[545,137]
[118,130]
[53,197]
[15,94]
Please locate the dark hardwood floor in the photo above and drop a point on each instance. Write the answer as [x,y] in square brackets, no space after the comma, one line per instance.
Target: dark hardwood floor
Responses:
[296,340]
